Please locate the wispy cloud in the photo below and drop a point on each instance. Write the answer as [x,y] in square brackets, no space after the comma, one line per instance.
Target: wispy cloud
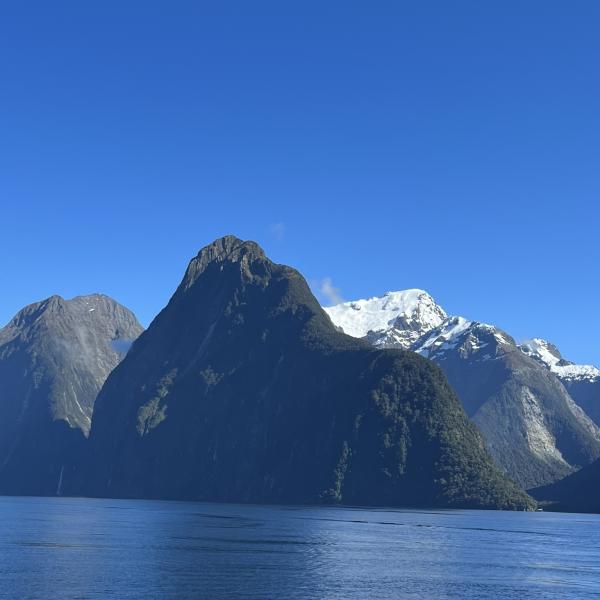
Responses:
[278,231]
[329,292]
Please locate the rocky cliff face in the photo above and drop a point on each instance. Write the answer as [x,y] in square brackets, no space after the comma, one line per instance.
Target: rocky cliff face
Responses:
[242,390]
[532,426]
[54,357]
[581,381]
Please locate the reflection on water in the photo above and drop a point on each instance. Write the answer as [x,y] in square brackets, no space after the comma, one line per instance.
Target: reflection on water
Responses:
[81,548]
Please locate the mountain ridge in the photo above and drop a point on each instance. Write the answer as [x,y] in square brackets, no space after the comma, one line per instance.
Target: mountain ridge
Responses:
[532,426]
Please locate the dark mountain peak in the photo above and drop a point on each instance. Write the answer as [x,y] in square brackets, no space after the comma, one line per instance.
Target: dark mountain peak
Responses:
[225,249]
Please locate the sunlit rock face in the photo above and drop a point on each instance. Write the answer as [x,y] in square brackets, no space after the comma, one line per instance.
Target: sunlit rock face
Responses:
[581,381]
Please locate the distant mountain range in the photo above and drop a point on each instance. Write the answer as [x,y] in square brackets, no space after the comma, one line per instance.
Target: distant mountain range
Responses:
[240,390]
[243,389]
[518,395]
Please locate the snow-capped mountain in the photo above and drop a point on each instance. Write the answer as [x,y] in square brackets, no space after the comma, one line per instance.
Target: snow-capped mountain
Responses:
[549,355]
[395,319]
[582,381]
[469,337]
[532,426]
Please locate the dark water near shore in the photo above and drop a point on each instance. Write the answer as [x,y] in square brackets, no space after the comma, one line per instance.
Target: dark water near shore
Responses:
[79,548]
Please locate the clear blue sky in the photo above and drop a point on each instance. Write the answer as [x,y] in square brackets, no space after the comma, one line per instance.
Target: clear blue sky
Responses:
[452,146]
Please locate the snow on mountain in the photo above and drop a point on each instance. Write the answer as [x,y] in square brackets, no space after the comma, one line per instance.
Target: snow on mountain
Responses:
[549,355]
[522,409]
[444,337]
[521,404]
[394,319]
[470,336]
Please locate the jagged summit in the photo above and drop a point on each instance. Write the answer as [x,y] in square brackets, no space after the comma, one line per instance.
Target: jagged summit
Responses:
[543,349]
[225,249]
[30,313]
[472,337]
[549,355]
[55,312]
[395,319]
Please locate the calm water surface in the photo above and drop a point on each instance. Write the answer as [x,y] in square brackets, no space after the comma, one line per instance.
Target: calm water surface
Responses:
[81,548]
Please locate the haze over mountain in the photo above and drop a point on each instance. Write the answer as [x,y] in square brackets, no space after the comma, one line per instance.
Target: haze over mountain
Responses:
[242,390]
[533,428]
[54,357]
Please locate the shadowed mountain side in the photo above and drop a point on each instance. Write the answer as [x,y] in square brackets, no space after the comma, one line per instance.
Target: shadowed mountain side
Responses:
[580,492]
[586,393]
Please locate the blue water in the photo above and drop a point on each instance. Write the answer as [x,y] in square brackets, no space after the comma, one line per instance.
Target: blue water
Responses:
[98,549]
